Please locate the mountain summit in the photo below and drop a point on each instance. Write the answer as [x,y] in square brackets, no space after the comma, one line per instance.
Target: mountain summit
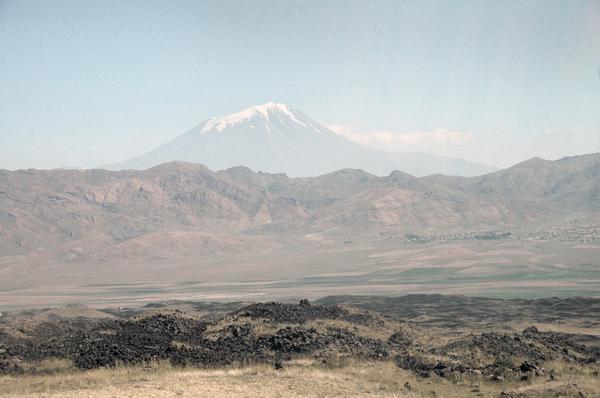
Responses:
[266,113]
[277,138]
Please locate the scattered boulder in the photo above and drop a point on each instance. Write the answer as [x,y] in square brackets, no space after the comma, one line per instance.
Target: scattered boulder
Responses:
[400,340]
[505,394]
[496,345]
[528,367]
[425,368]
[278,364]
[529,331]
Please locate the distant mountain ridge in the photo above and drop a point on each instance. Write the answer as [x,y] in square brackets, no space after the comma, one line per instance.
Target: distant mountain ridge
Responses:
[73,215]
[277,138]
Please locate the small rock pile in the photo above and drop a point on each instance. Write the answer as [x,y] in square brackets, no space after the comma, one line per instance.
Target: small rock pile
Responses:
[293,313]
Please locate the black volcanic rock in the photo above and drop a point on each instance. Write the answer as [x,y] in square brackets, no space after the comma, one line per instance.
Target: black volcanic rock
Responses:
[271,333]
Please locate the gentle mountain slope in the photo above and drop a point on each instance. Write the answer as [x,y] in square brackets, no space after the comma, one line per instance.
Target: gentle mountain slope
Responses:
[277,138]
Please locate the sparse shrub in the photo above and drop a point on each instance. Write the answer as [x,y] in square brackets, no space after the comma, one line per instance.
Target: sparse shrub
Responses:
[504,361]
[52,366]
[335,361]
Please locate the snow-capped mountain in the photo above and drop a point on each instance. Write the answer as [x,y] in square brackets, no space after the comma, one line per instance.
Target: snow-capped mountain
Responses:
[277,138]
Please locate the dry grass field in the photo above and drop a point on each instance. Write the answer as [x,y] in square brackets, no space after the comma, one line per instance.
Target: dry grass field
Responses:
[299,379]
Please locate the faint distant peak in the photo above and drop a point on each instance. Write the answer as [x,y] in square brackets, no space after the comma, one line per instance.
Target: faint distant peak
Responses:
[536,160]
[349,172]
[397,174]
[178,165]
[265,112]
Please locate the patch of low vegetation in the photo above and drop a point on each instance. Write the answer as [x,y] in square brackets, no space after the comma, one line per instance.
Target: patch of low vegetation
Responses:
[299,378]
[504,361]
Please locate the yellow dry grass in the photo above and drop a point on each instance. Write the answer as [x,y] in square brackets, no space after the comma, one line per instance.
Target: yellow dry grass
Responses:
[299,379]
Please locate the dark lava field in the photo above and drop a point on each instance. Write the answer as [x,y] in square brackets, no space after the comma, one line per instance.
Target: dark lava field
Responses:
[432,336]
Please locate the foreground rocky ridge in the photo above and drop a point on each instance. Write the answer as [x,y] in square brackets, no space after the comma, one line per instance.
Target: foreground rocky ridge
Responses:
[276,333]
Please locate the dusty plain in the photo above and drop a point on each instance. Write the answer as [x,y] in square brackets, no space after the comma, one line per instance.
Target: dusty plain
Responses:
[295,269]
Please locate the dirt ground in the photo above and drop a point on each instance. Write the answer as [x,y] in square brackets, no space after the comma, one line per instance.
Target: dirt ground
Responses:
[502,269]
[296,380]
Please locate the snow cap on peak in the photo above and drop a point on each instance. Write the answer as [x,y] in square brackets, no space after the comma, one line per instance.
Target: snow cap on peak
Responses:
[264,111]
[271,106]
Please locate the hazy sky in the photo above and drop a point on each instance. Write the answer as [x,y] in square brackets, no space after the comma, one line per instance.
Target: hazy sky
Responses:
[84,83]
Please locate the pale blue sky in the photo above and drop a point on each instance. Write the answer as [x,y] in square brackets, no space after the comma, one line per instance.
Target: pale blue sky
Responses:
[84,83]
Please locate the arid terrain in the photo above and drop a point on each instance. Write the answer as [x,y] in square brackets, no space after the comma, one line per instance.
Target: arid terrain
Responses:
[180,230]
[181,281]
[496,268]
[299,198]
[409,346]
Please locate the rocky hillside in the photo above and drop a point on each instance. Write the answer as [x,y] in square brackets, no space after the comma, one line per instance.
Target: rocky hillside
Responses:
[63,214]
[278,333]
